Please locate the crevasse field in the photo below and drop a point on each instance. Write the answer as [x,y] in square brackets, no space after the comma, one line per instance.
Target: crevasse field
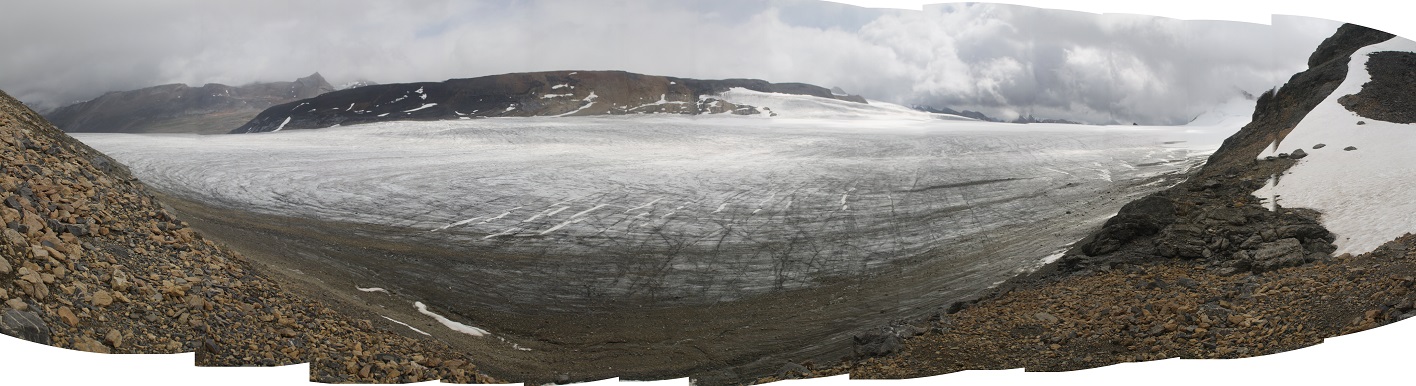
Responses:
[694,209]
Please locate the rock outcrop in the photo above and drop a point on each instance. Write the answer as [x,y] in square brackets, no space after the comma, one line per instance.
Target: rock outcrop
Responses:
[1277,112]
[556,93]
[90,261]
[212,108]
[1214,216]
[1391,94]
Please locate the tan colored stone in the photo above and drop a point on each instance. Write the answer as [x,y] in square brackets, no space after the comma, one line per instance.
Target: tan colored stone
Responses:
[5,267]
[91,345]
[453,363]
[119,281]
[17,304]
[35,226]
[56,254]
[33,286]
[102,299]
[114,338]
[67,315]
[431,362]
[13,237]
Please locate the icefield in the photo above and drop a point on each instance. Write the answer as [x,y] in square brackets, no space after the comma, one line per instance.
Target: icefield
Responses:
[688,208]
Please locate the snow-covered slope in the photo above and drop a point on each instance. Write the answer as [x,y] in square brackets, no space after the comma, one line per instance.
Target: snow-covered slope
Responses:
[1236,112]
[805,106]
[1367,195]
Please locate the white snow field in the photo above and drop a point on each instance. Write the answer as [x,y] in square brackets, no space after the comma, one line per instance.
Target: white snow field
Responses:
[699,207]
[1367,196]
[805,106]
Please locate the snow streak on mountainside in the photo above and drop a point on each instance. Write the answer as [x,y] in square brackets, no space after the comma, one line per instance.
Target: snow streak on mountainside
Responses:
[1357,170]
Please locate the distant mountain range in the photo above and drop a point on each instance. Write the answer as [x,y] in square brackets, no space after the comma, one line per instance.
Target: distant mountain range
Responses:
[212,108]
[984,117]
[554,93]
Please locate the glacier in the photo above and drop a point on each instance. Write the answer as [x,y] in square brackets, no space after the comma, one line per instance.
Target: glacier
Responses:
[695,209]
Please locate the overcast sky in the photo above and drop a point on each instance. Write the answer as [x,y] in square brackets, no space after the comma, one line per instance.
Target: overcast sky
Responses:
[1002,60]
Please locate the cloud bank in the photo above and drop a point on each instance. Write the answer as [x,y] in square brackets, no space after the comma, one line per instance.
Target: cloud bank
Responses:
[1003,60]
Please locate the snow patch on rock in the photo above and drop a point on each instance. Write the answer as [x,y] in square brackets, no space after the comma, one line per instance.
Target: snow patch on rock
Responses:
[1367,196]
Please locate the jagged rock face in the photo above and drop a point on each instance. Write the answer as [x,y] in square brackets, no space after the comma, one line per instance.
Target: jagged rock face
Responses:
[1143,217]
[1214,215]
[180,108]
[1348,39]
[557,93]
[1276,113]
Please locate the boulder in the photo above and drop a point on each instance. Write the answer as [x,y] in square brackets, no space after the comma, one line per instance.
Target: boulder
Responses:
[1298,154]
[1304,232]
[25,325]
[1143,217]
[1181,240]
[1227,215]
[876,343]
[1278,254]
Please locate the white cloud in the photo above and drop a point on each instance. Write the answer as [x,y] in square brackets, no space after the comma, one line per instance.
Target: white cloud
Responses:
[1002,60]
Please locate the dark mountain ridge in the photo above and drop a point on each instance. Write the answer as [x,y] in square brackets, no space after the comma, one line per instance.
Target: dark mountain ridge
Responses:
[180,108]
[553,93]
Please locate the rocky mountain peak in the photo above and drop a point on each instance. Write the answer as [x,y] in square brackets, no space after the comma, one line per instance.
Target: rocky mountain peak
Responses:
[311,86]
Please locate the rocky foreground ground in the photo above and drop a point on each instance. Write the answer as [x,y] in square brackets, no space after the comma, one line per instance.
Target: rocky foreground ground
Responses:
[1151,311]
[90,261]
